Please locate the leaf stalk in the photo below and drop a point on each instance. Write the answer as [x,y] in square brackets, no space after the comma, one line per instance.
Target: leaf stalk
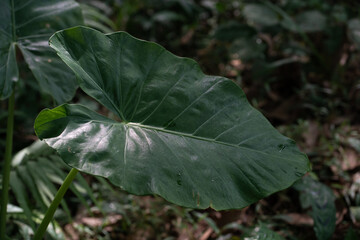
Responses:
[55,203]
[7,164]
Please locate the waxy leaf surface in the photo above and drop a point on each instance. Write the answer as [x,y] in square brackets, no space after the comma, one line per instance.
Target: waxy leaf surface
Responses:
[28,24]
[188,137]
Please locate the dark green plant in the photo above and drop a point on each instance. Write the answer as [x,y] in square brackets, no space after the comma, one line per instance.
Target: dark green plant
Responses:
[18,225]
[27,25]
[322,202]
[262,232]
[36,172]
[294,48]
[191,138]
[94,18]
[165,22]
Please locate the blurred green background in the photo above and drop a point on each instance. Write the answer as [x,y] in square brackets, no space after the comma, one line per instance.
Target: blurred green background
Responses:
[298,63]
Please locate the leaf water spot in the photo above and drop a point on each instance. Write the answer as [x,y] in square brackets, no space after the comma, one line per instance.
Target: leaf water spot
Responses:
[179,179]
[281,147]
[194,157]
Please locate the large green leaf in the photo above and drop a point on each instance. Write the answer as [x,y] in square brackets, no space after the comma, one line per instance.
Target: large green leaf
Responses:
[188,137]
[28,24]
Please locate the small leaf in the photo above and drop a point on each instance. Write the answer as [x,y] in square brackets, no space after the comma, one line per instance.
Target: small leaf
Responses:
[262,232]
[322,201]
[94,18]
[232,30]
[188,137]
[248,49]
[46,188]
[311,21]
[354,31]
[355,143]
[260,14]
[19,189]
[12,209]
[26,178]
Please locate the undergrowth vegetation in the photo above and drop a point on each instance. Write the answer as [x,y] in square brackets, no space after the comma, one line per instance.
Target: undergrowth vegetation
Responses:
[296,61]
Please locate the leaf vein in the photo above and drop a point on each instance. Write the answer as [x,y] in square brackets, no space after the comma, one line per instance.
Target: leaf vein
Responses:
[193,102]
[166,95]
[143,82]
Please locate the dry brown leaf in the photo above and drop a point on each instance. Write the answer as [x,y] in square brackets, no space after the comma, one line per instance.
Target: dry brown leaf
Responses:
[70,232]
[206,234]
[350,159]
[92,221]
[297,219]
[311,135]
[187,37]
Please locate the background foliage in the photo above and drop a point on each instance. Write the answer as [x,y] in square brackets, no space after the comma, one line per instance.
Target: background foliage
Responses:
[298,63]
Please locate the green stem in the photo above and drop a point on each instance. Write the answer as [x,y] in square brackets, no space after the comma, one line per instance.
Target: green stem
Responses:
[7,164]
[8,147]
[55,203]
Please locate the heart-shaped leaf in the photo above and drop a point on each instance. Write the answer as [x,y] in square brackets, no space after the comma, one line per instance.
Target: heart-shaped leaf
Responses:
[188,137]
[28,25]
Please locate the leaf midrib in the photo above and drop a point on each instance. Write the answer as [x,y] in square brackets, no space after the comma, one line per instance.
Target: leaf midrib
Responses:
[178,133]
[13,21]
[105,94]
[194,137]
[132,124]
[181,134]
